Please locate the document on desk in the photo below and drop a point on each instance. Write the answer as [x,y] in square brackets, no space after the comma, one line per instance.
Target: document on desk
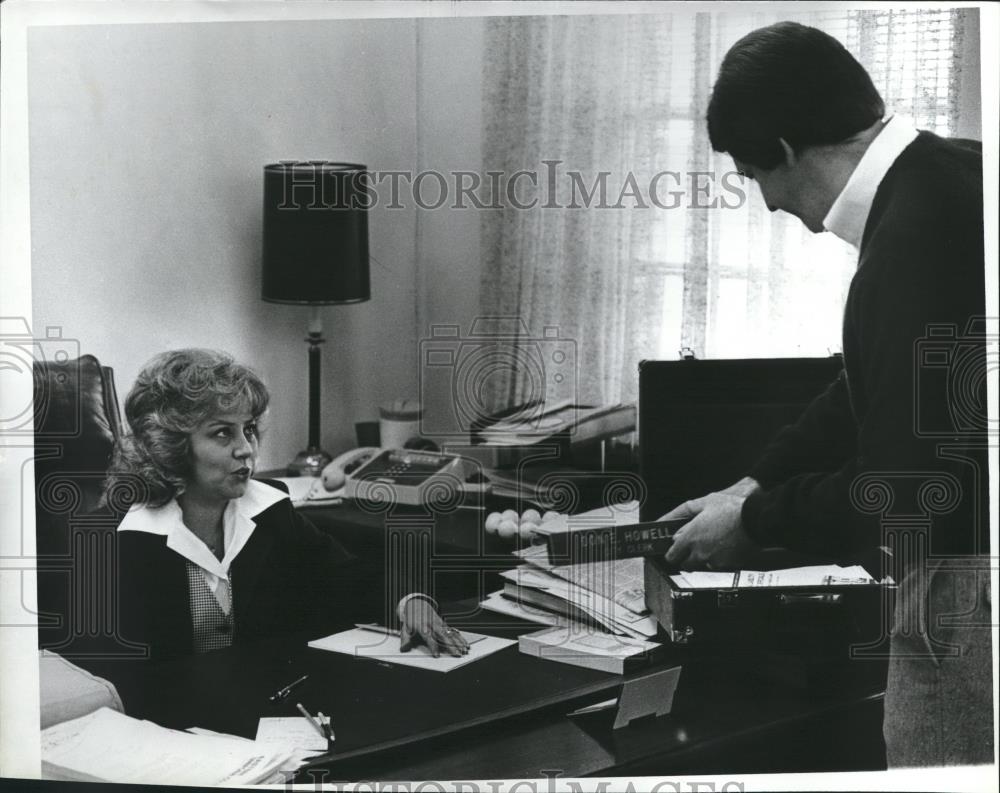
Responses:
[108,746]
[296,758]
[289,734]
[366,644]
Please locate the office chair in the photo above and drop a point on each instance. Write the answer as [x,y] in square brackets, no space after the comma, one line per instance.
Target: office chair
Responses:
[77,422]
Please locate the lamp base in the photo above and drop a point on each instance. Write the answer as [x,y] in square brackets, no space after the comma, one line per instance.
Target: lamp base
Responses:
[309,462]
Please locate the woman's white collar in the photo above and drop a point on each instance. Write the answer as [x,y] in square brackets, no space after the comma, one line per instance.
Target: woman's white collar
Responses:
[161,520]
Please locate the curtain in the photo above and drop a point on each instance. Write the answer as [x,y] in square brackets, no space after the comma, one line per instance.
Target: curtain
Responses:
[626,237]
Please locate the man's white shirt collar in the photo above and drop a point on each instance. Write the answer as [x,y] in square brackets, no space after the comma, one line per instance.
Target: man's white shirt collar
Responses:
[237,526]
[849,213]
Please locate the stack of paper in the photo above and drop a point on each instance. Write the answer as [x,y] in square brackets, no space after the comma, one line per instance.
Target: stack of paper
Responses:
[269,735]
[621,580]
[582,423]
[495,601]
[107,746]
[609,594]
[582,648]
[544,589]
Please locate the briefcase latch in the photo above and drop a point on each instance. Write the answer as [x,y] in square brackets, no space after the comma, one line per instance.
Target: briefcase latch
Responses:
[727,598]
[811,599]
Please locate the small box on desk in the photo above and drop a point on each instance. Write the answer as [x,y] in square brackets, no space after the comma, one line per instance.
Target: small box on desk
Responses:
[804,633]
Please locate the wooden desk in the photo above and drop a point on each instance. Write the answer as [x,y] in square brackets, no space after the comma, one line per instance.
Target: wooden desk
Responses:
[498,718]
[504,716]
[459,559]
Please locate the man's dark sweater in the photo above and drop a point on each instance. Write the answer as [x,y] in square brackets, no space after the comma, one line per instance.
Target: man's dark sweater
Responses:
[906,419]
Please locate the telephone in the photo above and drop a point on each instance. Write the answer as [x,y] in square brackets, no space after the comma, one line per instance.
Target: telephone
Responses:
[404,476]
[411,476]
[335,474]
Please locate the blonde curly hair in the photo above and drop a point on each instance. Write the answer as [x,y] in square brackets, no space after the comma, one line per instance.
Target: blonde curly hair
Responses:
[173,395]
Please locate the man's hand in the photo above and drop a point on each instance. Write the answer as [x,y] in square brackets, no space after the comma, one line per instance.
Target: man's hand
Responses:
[713,539]
[743,488]
[422,623]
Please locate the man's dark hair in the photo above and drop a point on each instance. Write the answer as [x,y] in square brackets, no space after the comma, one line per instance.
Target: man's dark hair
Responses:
[793,82]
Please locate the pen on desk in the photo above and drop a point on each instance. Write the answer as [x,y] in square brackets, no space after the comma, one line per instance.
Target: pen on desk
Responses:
[312,721]
[281,693]
[324,722]
[373,628]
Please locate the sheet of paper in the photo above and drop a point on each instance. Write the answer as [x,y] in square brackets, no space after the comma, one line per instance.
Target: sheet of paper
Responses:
[296,757]
[606,704]
[366,644]
[213,734]
[593,605]
[815,575]
[704,580]
[110,746]
[603,609]
[289,733]
[622,580]
[529,422]
[537,555]
[591,642]
[495,601]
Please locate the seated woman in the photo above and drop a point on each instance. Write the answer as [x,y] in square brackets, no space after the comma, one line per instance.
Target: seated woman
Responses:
[208,556]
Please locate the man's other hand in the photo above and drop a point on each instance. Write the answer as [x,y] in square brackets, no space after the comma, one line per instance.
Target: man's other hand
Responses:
[713,538]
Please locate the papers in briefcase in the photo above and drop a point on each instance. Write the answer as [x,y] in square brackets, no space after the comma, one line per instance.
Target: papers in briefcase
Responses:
[588,543]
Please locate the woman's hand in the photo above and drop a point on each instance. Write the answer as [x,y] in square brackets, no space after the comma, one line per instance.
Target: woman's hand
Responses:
[421,623]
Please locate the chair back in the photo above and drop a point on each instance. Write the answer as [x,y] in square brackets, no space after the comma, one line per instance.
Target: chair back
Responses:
[77,422]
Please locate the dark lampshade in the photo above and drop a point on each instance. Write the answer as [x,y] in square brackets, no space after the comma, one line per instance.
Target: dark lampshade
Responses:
[315,233]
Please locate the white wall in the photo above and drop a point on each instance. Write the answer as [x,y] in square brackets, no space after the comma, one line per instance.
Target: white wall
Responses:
[147,147]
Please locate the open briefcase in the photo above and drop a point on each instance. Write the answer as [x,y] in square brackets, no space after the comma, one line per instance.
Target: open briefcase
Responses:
[702,425]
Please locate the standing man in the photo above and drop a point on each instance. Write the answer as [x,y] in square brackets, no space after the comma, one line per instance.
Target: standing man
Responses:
[893,453]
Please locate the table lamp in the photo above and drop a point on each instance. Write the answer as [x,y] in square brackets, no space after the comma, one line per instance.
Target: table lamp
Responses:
[315,253]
